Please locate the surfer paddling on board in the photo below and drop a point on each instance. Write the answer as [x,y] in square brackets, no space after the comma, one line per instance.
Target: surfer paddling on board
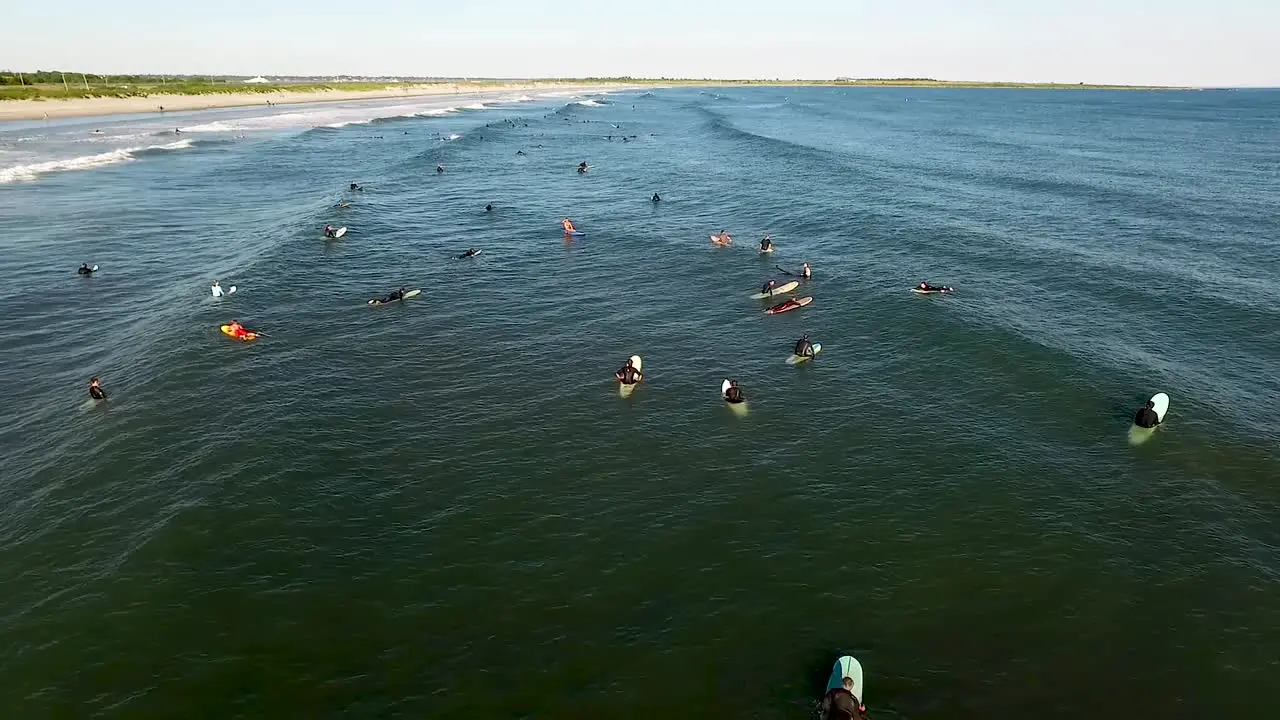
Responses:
[86,270]
[926,287]
[95,389]
[582,166]
[397,295]
[766,244]
[733,394]
[628,374]
[471,252]
[1146,417]
[841,703]
[804,348]
[722,238]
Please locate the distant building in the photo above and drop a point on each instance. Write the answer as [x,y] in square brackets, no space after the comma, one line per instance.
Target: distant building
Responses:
[257,80]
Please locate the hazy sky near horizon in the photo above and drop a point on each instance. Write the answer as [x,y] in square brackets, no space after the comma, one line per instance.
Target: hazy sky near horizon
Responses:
[1165,42]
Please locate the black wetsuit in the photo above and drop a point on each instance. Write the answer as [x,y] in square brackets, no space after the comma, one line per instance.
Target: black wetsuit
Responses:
[97,393]
[767,289]
[1146,417]
[85,270]
[733,395]
[656,198]
[766,244]
[467,254]
[804,348]
[840,704]
[628,375]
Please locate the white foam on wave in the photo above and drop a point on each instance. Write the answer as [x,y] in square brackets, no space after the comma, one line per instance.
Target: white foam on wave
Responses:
[588,103]
[31,171]
[477,106]
[451,138]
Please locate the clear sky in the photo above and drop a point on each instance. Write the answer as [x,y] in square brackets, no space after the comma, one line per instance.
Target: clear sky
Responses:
[1166,42]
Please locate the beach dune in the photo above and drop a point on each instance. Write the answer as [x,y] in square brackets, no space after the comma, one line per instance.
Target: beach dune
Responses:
[96,106]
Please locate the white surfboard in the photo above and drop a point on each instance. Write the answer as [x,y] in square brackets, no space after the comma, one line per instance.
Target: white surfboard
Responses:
[939,291]
[625,390]
[848,667]
[797,359]
[1160,403]
[779,290]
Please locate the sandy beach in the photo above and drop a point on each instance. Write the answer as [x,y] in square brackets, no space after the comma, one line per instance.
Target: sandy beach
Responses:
[102,106]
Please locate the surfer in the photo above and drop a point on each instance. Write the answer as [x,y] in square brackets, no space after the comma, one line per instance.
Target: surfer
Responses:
[806,273]
[582,166]
[439,169]
[841,704]
[86,270]
[217,289]
[733,394]
[656,198]
[926,287]
[343,205]
[471,252]
[236,330]
[328,231]
[356,187]
[397,295]
[723,238]
[628,374]
[766,244]
[1146,416]
[488,208]
[519,152]
[95,389]
[767,290]
[567,224]
[804,348]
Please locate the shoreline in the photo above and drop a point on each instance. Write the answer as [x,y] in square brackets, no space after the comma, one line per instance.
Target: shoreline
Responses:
[55,109]
[59,108]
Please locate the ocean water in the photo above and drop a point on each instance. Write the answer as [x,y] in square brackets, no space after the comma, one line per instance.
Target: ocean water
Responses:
[443,508]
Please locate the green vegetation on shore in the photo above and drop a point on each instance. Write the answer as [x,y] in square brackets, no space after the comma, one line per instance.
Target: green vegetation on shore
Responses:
[55,84]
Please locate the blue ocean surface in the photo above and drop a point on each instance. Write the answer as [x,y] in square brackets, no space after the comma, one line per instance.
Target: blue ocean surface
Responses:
[443,508]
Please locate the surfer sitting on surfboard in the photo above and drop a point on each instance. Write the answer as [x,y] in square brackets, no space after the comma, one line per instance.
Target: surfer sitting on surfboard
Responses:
[766,243]
[804,348]
[1146,417]
[628,374]
[841,704]
[85,269]
[95,389]
[582,166]
[733,394]
[567,224]
[329,231]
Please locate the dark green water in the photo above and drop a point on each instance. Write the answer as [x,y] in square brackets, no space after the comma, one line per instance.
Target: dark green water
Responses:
[443,509]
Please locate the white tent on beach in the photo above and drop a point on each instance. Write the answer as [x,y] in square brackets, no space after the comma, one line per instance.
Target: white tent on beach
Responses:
[257,80]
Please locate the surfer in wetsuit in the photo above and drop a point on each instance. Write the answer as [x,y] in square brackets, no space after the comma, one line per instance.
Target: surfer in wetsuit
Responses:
[766,243]
[95,389]
[397,295]
[439,169]
[656,198]
[488,208]
[582,166]
[1146,416]
[734,393]
[768,288]
[841,704]
[328,231]
[628,374]
[926,287]
[804,348]
[85,270]
[806,273]
[471,252]
[356,186]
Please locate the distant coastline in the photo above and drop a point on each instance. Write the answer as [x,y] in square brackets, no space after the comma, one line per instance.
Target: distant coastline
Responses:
[50,95]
